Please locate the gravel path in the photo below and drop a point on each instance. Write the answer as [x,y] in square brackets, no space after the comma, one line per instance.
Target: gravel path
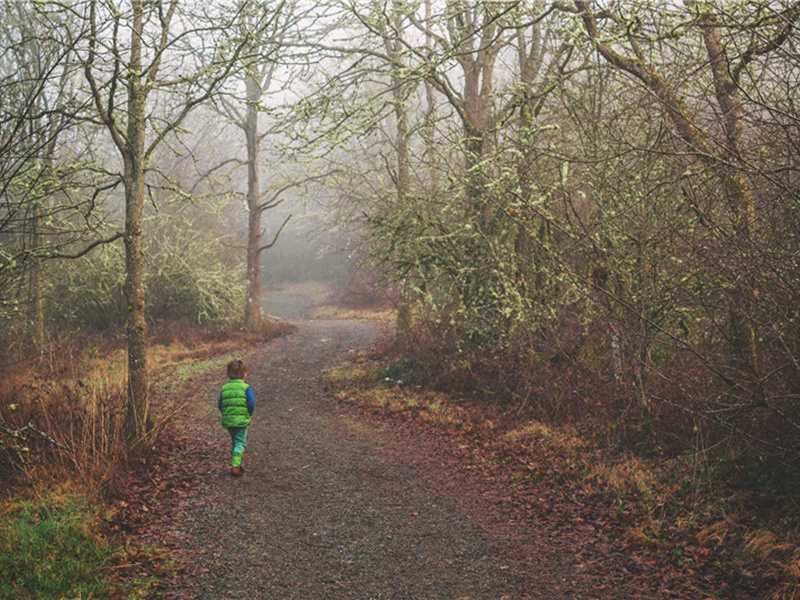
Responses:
[322,512]
[336,504]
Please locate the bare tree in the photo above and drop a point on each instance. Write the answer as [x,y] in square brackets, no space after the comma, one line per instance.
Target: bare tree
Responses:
[266,27]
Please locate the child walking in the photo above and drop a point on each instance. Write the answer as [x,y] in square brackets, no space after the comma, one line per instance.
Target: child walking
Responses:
[236,403]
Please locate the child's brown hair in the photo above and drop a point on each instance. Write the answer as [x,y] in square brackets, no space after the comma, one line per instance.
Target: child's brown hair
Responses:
[237,369]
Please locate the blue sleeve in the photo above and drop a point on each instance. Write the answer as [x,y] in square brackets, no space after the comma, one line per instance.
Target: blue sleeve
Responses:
[219,402]
[251,401]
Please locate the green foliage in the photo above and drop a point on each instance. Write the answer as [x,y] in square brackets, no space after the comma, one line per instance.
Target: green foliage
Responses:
[483,268]
[51,549]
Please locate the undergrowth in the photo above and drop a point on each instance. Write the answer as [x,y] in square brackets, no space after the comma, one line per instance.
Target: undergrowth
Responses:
[727,525]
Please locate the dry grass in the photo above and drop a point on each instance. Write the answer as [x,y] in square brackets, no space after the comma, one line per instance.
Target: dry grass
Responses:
[353,314]
[537,432]
[365,384]
[67,430]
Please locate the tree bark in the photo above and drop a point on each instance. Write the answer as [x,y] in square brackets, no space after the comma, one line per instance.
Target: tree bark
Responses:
[477,32]
[737,186]
[394,44]
[429,127]
[35,283]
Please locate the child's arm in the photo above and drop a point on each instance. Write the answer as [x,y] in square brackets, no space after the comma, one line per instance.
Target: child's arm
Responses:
[251,401]
[219,402]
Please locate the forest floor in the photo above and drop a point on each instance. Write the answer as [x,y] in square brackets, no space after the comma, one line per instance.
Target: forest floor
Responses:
[338,502]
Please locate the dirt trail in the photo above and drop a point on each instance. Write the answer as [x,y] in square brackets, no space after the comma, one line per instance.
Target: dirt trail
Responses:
[337,505]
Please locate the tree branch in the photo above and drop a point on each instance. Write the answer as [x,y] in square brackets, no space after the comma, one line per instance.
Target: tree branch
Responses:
[86,250]
[275,239]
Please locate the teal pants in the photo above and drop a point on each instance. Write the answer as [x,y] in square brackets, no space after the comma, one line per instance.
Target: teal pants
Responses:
[238,442]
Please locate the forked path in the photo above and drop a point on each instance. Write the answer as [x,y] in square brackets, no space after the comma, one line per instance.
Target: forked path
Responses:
[335,505]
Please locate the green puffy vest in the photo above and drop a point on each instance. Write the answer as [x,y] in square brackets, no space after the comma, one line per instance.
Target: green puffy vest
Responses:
[234,404]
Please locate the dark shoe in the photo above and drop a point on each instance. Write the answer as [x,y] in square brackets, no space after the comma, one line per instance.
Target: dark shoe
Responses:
[237,471]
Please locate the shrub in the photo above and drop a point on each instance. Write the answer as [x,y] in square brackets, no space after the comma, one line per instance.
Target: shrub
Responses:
[192,275]
[188,277]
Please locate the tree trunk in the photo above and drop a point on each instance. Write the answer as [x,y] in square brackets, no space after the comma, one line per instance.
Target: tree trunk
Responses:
[405,312]
[429,127]
[137,421]
[252,313]
[738,190]
[405,309]
[743,336]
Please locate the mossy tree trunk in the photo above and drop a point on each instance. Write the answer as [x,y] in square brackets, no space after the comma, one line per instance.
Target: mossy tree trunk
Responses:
[252,314]
[394,43]
[137,422]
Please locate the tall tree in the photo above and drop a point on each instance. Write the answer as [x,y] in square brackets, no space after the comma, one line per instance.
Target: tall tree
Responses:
[469,34]
[265,26]
[391,30]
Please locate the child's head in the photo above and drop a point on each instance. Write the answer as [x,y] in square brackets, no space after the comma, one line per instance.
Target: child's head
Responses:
[237,369]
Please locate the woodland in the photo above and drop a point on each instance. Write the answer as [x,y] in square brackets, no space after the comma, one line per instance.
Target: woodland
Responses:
[582,213]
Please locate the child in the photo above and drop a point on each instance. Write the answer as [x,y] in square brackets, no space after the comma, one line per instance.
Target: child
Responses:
[236,403]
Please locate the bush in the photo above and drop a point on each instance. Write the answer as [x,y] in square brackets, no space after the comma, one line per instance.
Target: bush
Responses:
[192,275]
[87,292]
[194,290]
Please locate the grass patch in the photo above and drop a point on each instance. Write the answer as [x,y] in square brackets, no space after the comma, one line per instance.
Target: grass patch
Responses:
[381,387]
[317,292]
[53,548]
[350,375]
